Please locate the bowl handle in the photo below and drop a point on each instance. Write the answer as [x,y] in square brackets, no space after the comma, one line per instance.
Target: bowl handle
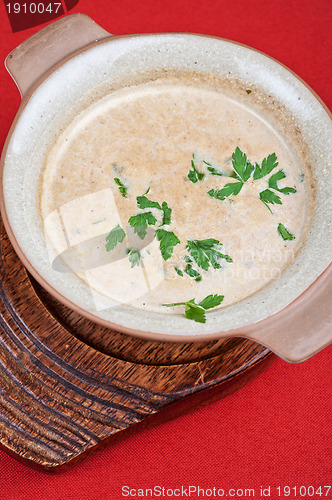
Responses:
[43,51]
[302,328]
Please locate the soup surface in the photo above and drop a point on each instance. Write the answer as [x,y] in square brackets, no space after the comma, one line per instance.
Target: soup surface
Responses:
[147,195]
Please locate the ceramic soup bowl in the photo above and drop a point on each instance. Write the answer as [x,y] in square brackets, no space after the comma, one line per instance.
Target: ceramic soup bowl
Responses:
[69,73]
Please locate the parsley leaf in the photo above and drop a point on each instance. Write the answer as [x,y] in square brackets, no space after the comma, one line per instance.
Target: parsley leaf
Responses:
[144,202]
[192,310]
[273,183]
[168,240]
[205,254]
[284,233]
[140,222]
[215,171]
[197,311]
[268,164]
[211,301]
[192,272]
[178,271]
[115,236]
[166,213]
[194,175]
[241,165]
[134,257]
[232,188]
[122,188]
[268,196]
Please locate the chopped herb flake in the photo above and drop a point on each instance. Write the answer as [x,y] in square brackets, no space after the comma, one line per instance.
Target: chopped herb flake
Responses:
[122,188]
[192,273]
[284,233]
[194,175]
[166,214]
[134,257]
[215,171]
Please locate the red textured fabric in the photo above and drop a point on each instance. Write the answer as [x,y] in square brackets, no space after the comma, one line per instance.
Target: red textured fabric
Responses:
[274,432]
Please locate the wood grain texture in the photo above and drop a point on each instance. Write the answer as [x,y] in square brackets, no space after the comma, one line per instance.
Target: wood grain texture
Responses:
[69,387]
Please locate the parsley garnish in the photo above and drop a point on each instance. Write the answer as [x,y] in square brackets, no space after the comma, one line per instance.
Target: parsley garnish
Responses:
[241,165]
[194,311]
[115,236]
[144,202]
[268,164]
[268,196]
[192,272]
[140,223]
[206,253]
[211,301]
[134,257]
[168,240]
[243,170]
[284,233]
[215,171]
[229,189]
[122,188]
[178,271]
[273,183]
[197,311]
[194,175]
[166,213]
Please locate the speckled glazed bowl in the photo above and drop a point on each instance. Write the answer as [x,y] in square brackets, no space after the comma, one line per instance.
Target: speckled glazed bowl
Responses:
[56,69]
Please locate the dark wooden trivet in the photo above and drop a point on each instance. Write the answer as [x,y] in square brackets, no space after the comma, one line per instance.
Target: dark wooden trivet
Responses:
[69,387]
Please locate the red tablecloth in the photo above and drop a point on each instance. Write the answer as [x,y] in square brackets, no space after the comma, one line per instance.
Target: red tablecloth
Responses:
[274,432]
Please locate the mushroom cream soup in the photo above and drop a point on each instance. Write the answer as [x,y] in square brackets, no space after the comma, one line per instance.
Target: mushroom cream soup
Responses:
[174,189]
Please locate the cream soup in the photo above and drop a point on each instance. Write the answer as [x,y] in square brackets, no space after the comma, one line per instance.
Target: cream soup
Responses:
[145,138]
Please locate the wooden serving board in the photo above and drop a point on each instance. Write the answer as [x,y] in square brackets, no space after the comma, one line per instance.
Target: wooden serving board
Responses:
[69,387]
